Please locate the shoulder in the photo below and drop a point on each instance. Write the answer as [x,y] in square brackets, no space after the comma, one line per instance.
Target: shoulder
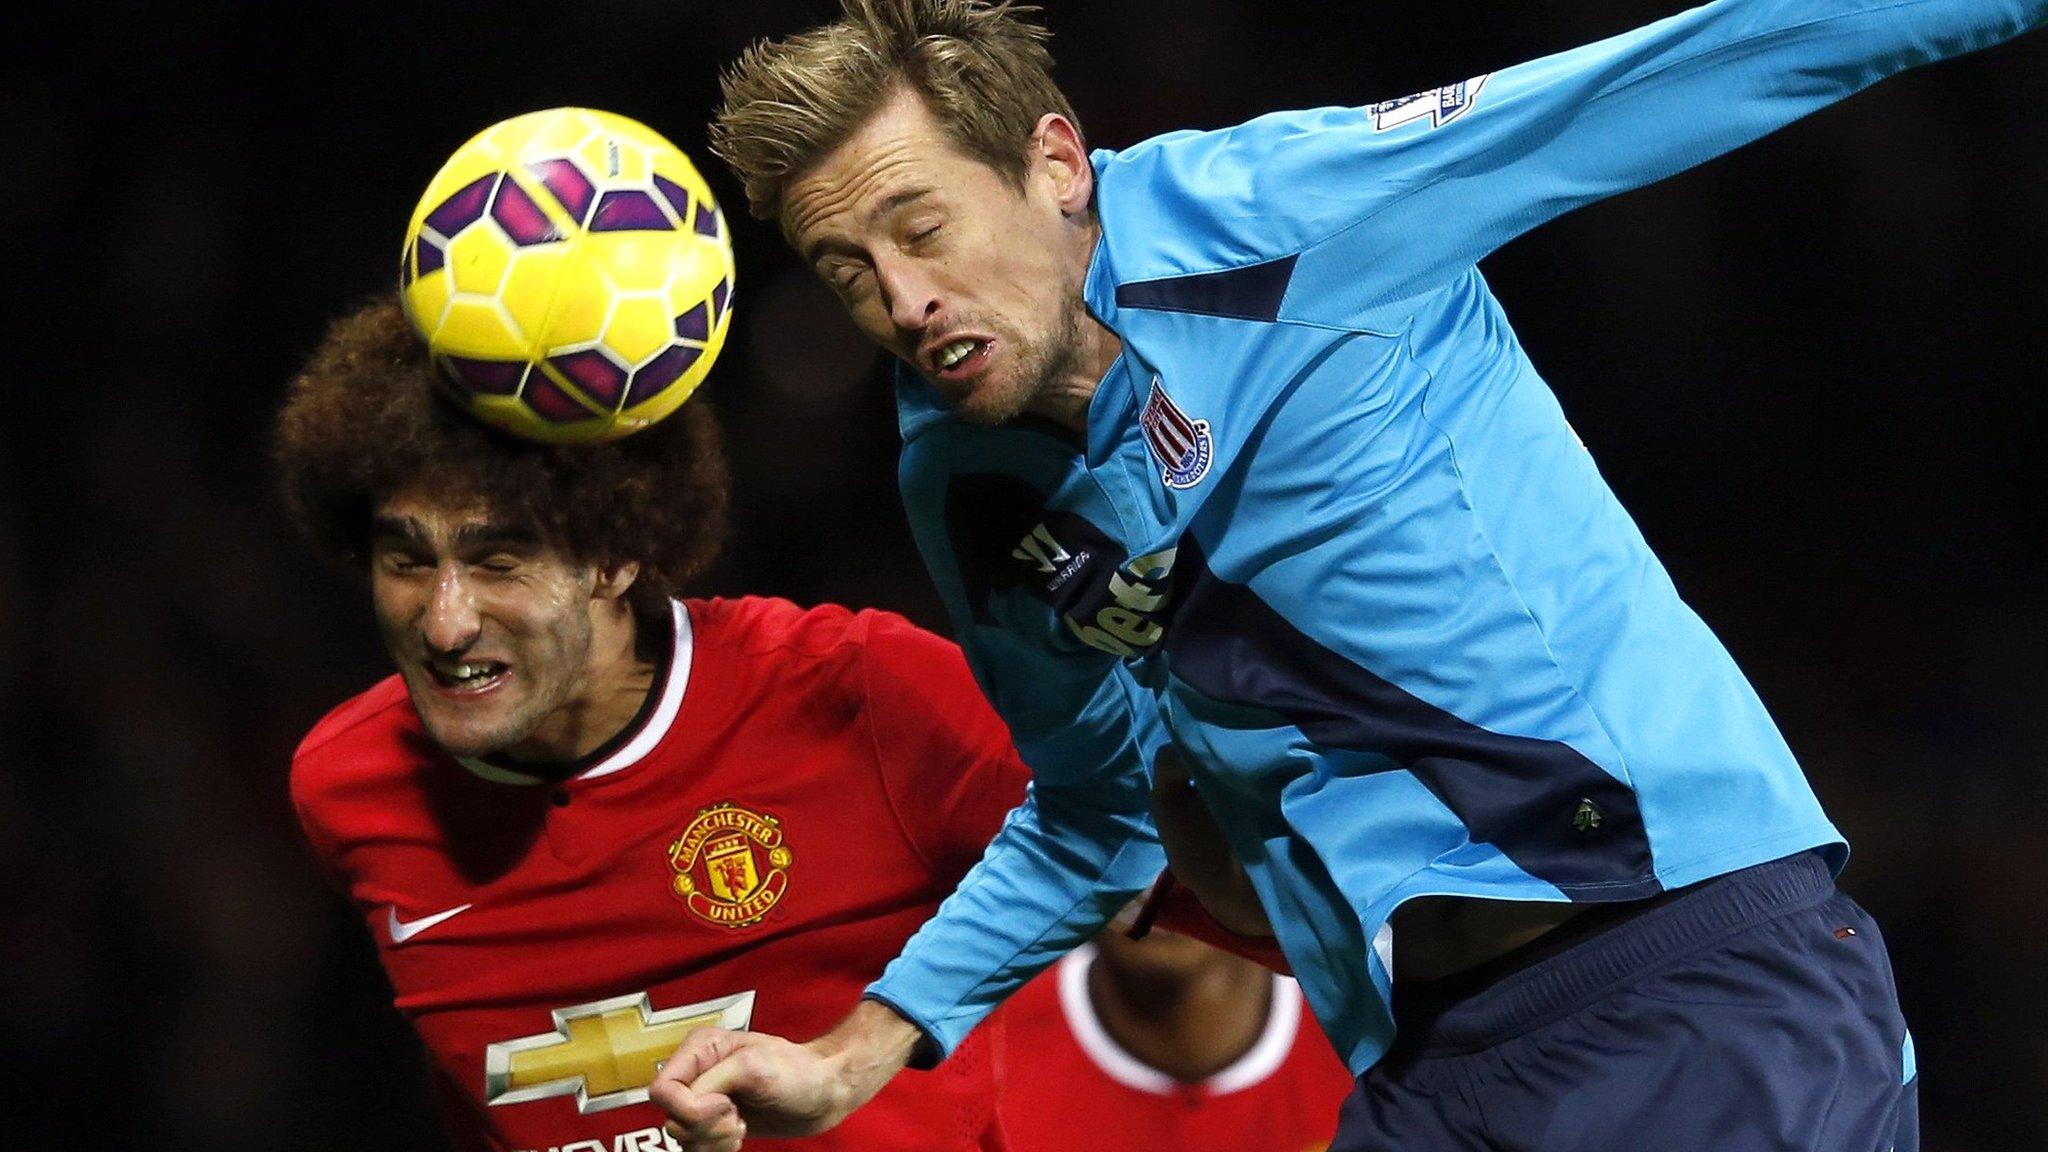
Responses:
[833,668]
[1199,202]
[767,638]
[771,628]
[366,735]
[369,715]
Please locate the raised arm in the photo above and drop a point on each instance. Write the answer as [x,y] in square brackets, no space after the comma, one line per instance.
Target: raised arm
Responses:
[1382,204]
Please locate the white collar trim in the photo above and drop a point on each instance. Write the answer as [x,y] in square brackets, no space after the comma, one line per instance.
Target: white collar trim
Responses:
[650,734]
[1266,1055]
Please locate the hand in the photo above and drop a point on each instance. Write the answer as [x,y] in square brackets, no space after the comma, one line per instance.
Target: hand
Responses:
[1198,854]
[722,1086]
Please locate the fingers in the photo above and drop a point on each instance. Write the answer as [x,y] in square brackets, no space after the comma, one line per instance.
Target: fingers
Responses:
[736,1075]
[698,1121]
[701,1117]
[701,1049]
[778,1086]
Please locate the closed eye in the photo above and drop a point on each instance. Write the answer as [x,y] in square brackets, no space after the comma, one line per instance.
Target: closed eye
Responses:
[497,561]
[846,277]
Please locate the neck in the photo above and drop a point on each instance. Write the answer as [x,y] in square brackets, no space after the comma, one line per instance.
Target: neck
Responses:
[1066,399]
[1091,347]
[619,681]
[1188,1025]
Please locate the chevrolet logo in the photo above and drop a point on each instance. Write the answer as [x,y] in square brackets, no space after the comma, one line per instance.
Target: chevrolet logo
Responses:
[605,1053]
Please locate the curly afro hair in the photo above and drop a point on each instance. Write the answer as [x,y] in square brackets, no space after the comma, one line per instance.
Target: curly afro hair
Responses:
[363,423]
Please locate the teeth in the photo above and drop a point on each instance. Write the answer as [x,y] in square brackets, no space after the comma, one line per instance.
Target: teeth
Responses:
[955,352]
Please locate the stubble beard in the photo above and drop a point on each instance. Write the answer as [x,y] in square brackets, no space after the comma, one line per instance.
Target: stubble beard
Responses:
[471,742]
[1041,369]
[542,700]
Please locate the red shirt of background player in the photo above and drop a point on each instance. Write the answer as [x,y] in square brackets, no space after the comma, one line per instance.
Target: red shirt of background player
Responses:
[1070,1086]
[799,792]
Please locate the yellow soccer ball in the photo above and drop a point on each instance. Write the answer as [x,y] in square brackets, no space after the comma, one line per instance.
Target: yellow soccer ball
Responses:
[571,274]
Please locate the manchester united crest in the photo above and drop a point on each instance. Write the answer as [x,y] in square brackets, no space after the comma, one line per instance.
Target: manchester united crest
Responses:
[731,865]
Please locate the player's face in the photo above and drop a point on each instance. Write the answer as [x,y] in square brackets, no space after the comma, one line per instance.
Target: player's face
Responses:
[947,263]
[491,629]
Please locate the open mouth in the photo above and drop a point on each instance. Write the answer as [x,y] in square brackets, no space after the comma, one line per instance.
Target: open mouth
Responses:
[466,677]
[962,359]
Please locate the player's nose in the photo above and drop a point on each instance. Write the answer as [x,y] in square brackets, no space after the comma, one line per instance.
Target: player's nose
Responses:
[913,298]
[450,621]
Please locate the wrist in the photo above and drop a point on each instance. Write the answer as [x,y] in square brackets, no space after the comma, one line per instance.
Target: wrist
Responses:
[864,1051]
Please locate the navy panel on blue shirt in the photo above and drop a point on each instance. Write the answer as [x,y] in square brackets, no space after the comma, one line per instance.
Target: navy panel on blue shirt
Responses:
[1556,814]
[1249,293]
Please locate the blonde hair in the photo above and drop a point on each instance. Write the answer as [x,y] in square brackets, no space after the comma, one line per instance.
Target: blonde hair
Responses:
[980,67]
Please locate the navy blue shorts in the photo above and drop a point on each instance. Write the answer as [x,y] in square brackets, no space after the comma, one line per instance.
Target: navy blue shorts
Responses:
[1752,1013]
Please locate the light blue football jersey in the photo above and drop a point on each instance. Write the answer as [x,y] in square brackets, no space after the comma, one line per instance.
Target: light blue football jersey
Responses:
[1329,531]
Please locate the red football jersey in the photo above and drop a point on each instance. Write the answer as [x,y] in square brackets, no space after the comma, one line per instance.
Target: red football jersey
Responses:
[1070,1086]
[800,791]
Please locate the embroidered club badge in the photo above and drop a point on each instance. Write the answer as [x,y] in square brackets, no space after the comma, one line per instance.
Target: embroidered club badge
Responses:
[1182,446]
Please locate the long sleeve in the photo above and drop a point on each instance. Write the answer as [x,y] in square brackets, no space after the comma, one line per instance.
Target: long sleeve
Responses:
[1378,206]
[1082,843]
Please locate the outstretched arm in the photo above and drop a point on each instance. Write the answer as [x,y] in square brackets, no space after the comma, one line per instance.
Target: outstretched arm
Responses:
[1380,205]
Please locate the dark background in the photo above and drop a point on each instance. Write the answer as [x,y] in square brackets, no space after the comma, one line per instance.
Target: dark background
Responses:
[1811,369]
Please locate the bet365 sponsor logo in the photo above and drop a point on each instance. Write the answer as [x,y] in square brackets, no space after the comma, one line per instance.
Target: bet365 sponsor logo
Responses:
[1128,625]
[1125,622]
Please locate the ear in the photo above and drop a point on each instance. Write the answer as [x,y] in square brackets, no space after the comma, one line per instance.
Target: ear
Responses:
[612,582]
[1057,151]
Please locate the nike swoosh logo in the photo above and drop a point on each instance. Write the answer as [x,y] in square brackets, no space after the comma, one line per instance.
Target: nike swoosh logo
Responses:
[403,930]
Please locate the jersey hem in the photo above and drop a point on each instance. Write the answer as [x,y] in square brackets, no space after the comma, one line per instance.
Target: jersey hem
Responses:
[1757,852]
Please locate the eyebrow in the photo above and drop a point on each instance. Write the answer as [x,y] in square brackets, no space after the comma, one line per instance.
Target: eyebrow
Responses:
[488,533]
[468,536]
[888,205]
[897,200]
[407,529]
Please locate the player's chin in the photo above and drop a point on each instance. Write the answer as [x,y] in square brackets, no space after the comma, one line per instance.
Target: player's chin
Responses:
[468,728]
[990,400]
[471,741]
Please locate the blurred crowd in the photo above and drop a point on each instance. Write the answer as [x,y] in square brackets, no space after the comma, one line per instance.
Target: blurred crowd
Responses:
[1812,371]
